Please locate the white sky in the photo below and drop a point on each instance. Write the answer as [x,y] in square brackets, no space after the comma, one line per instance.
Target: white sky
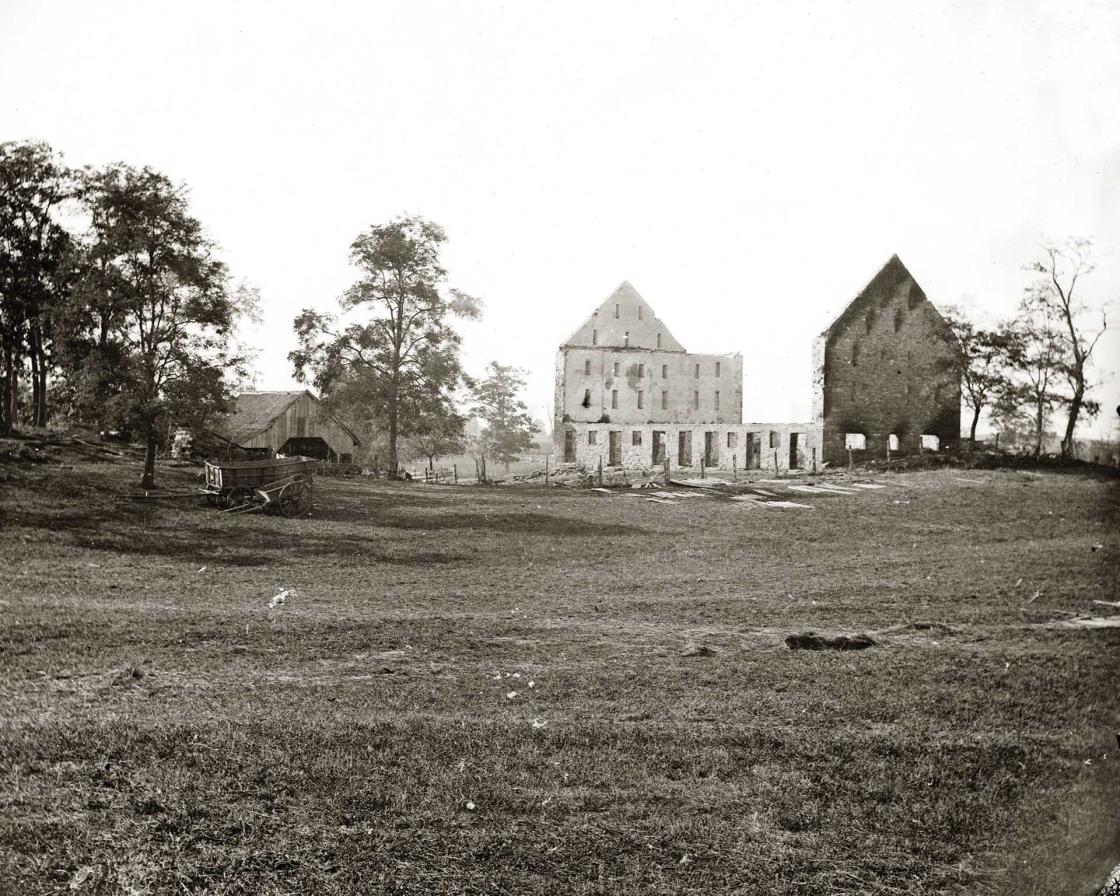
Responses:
[748,167]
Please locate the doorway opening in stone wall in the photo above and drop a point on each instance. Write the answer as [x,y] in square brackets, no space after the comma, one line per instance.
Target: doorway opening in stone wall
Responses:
[711,449]
[614,449]
[658,447]
[753,451]
[569,446]
[794,453]
[684,449]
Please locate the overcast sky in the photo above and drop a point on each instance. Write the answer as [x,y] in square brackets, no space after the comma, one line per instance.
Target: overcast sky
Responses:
[748,167]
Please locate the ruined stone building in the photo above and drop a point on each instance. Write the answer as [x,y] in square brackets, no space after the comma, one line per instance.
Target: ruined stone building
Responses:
[886,373]
[622,367]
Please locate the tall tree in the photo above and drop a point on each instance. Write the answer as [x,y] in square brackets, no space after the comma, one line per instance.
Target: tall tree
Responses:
[989,357]
[509,428]
[1036,371]
[36,270]
[165,301]
[1055,295]
[404,357]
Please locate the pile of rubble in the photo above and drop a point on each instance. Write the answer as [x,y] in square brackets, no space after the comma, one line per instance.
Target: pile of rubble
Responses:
[577,476]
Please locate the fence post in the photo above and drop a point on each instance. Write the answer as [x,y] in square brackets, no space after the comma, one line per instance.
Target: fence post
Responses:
[776,471]
[734,468]
[546,469]
[455,470]
[600,471]
[850,461]
[814,458]
[701,468]
[665,462]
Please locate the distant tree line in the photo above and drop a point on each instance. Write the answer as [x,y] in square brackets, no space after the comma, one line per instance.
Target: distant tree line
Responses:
[1026,368]
[114,310]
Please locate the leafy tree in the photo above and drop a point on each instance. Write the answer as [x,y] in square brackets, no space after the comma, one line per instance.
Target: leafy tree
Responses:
[1036,375]
[36,270]
[989,356]
[156,294]
[438,431]
[404,358]
[509,428]
[1054,295]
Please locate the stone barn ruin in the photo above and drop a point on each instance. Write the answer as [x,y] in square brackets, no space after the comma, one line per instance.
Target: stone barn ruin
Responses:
[886,375]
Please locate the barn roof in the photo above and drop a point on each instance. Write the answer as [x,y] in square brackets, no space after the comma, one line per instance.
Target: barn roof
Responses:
[254,412]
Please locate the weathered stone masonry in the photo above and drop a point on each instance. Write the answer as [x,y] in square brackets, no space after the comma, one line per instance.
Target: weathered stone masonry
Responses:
[886,376]
[889,365]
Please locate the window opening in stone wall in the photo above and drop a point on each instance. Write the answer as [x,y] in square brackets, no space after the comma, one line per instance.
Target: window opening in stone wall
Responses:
[733,440]
[587,367]
[659,340]
[641,399]
[614,399]
[892,442]
[658,446]
[616,312]
[697,371]
[626,339]
[639,312]
[594,337]
[696,400]
[717,399]
[592,437]
[641,371]
[615,368]
[587,398]
[775,439]
[636,437]
[855,354]
[664,401]
[794,451]
[717,369]
[855,441]
[898,315]
[869,321]
[569,446]
[930,442]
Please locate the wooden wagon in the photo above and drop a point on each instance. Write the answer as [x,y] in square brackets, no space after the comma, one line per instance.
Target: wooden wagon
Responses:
[283,484]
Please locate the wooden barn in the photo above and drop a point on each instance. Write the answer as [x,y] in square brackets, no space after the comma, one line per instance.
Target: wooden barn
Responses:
[289,423]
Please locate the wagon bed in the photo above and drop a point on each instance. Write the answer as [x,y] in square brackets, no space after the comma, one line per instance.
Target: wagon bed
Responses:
[276,483]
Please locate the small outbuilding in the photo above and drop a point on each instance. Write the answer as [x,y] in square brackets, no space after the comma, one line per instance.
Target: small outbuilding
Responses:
[290,423]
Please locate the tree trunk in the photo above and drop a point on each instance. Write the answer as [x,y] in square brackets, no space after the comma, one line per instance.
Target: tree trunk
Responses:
[972,430]
[149,479]
[1071,422]
[1039,423]
[431,463]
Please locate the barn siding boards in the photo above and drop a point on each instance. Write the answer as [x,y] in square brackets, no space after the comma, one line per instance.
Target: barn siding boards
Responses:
[269,419]
[888,365]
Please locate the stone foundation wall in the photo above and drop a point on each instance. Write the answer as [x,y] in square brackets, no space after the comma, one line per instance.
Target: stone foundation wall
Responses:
[720,446]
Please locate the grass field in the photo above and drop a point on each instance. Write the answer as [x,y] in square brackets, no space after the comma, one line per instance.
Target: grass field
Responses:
[513,690]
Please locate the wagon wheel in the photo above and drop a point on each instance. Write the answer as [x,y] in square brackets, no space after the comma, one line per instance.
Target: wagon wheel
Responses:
[214,499]
[238,497]
[295,499]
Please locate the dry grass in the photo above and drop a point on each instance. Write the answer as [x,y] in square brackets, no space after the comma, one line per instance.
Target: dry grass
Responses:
[165,732]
